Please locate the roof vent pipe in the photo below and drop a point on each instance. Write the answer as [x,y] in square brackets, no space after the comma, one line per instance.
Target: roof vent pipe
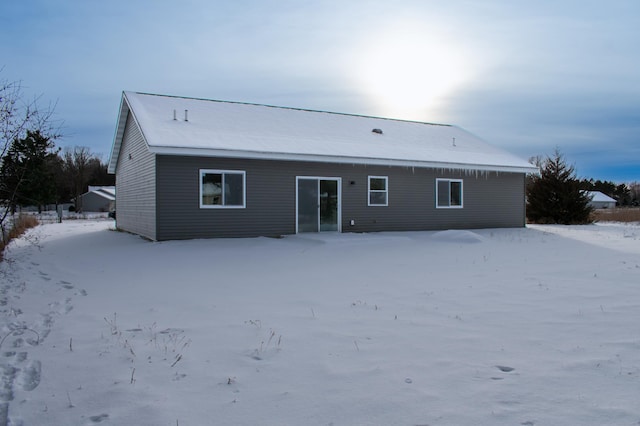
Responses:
[186,118]
[174,115]
[378,131]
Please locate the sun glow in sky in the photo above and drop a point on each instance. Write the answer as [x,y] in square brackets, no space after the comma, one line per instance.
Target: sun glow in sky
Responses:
[407,71]
[528,77]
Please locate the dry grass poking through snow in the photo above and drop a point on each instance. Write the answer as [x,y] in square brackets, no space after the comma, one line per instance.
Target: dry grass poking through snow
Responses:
[624,214]
[22,223]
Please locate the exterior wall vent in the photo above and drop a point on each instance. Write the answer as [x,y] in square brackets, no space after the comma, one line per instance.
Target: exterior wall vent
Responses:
[378,131]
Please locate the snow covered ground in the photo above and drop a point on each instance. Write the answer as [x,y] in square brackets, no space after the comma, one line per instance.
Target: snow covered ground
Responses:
[535,326]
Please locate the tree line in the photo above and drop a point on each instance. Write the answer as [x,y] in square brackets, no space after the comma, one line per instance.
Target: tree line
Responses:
[624,194]
[36,173]
[33,171]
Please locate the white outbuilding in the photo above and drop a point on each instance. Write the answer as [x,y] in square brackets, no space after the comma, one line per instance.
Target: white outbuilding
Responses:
[601,201]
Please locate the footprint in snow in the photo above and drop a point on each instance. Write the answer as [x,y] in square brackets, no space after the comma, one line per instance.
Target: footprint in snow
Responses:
[7,377]
[29,377]
[99,419]
[61,307]
[504,368]
[20,356]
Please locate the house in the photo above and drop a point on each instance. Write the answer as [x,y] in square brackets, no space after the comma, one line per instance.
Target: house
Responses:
[197,168]
[600,200]
[97,199]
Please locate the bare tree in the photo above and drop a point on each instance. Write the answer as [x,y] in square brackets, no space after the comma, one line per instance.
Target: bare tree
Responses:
[19,115]
[634,188]
[76,167]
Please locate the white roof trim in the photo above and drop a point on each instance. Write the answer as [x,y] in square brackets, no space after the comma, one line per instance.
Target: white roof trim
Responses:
[200,152]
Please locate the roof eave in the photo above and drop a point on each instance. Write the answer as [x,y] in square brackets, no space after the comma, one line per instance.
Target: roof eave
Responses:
[166,150]
[119,135]
[123,114]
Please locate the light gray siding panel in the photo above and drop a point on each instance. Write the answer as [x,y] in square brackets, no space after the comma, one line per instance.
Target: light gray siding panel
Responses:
[490,199]
[92,202]
[136,184]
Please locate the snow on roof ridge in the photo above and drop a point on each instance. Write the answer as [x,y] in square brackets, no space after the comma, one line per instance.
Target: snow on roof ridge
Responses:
[290,108]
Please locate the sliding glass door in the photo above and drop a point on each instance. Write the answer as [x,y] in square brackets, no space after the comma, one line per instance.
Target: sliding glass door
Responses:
[318,204]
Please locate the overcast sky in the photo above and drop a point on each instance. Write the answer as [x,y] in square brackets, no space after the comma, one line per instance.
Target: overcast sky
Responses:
[525,76]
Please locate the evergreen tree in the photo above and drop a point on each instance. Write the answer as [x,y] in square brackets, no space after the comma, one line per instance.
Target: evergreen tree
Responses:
[555,195]
[26,171]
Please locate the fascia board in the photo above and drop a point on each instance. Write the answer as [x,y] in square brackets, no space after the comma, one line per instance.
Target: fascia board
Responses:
[125,109]
[203,152]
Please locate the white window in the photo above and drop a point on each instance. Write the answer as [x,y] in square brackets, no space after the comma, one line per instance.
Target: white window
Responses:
[222,189]
[378,191]
[449,193]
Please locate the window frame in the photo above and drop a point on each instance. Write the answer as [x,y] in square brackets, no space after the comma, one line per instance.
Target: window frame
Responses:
[378,191]
[203,172]
[449,181]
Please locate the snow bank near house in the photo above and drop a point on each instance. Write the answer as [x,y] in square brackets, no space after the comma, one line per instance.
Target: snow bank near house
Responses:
[502,327]
[457,236]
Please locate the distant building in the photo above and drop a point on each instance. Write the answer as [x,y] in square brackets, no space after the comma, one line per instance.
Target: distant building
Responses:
[600,200]
[98,199]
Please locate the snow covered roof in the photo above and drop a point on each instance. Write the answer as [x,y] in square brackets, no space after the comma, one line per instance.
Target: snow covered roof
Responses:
[188,126]
[108,192]
[600,197]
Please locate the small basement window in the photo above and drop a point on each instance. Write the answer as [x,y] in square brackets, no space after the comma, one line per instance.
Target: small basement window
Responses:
[222,189]
[449,193]
[378,191]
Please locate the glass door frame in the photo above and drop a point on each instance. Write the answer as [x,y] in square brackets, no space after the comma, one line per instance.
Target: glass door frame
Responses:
[318,179]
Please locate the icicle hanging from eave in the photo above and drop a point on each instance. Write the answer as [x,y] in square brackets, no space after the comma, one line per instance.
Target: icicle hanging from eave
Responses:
[477,173]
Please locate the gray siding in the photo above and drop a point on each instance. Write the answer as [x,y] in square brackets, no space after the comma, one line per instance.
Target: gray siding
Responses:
[92,202]
[136,184]
[490,199]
